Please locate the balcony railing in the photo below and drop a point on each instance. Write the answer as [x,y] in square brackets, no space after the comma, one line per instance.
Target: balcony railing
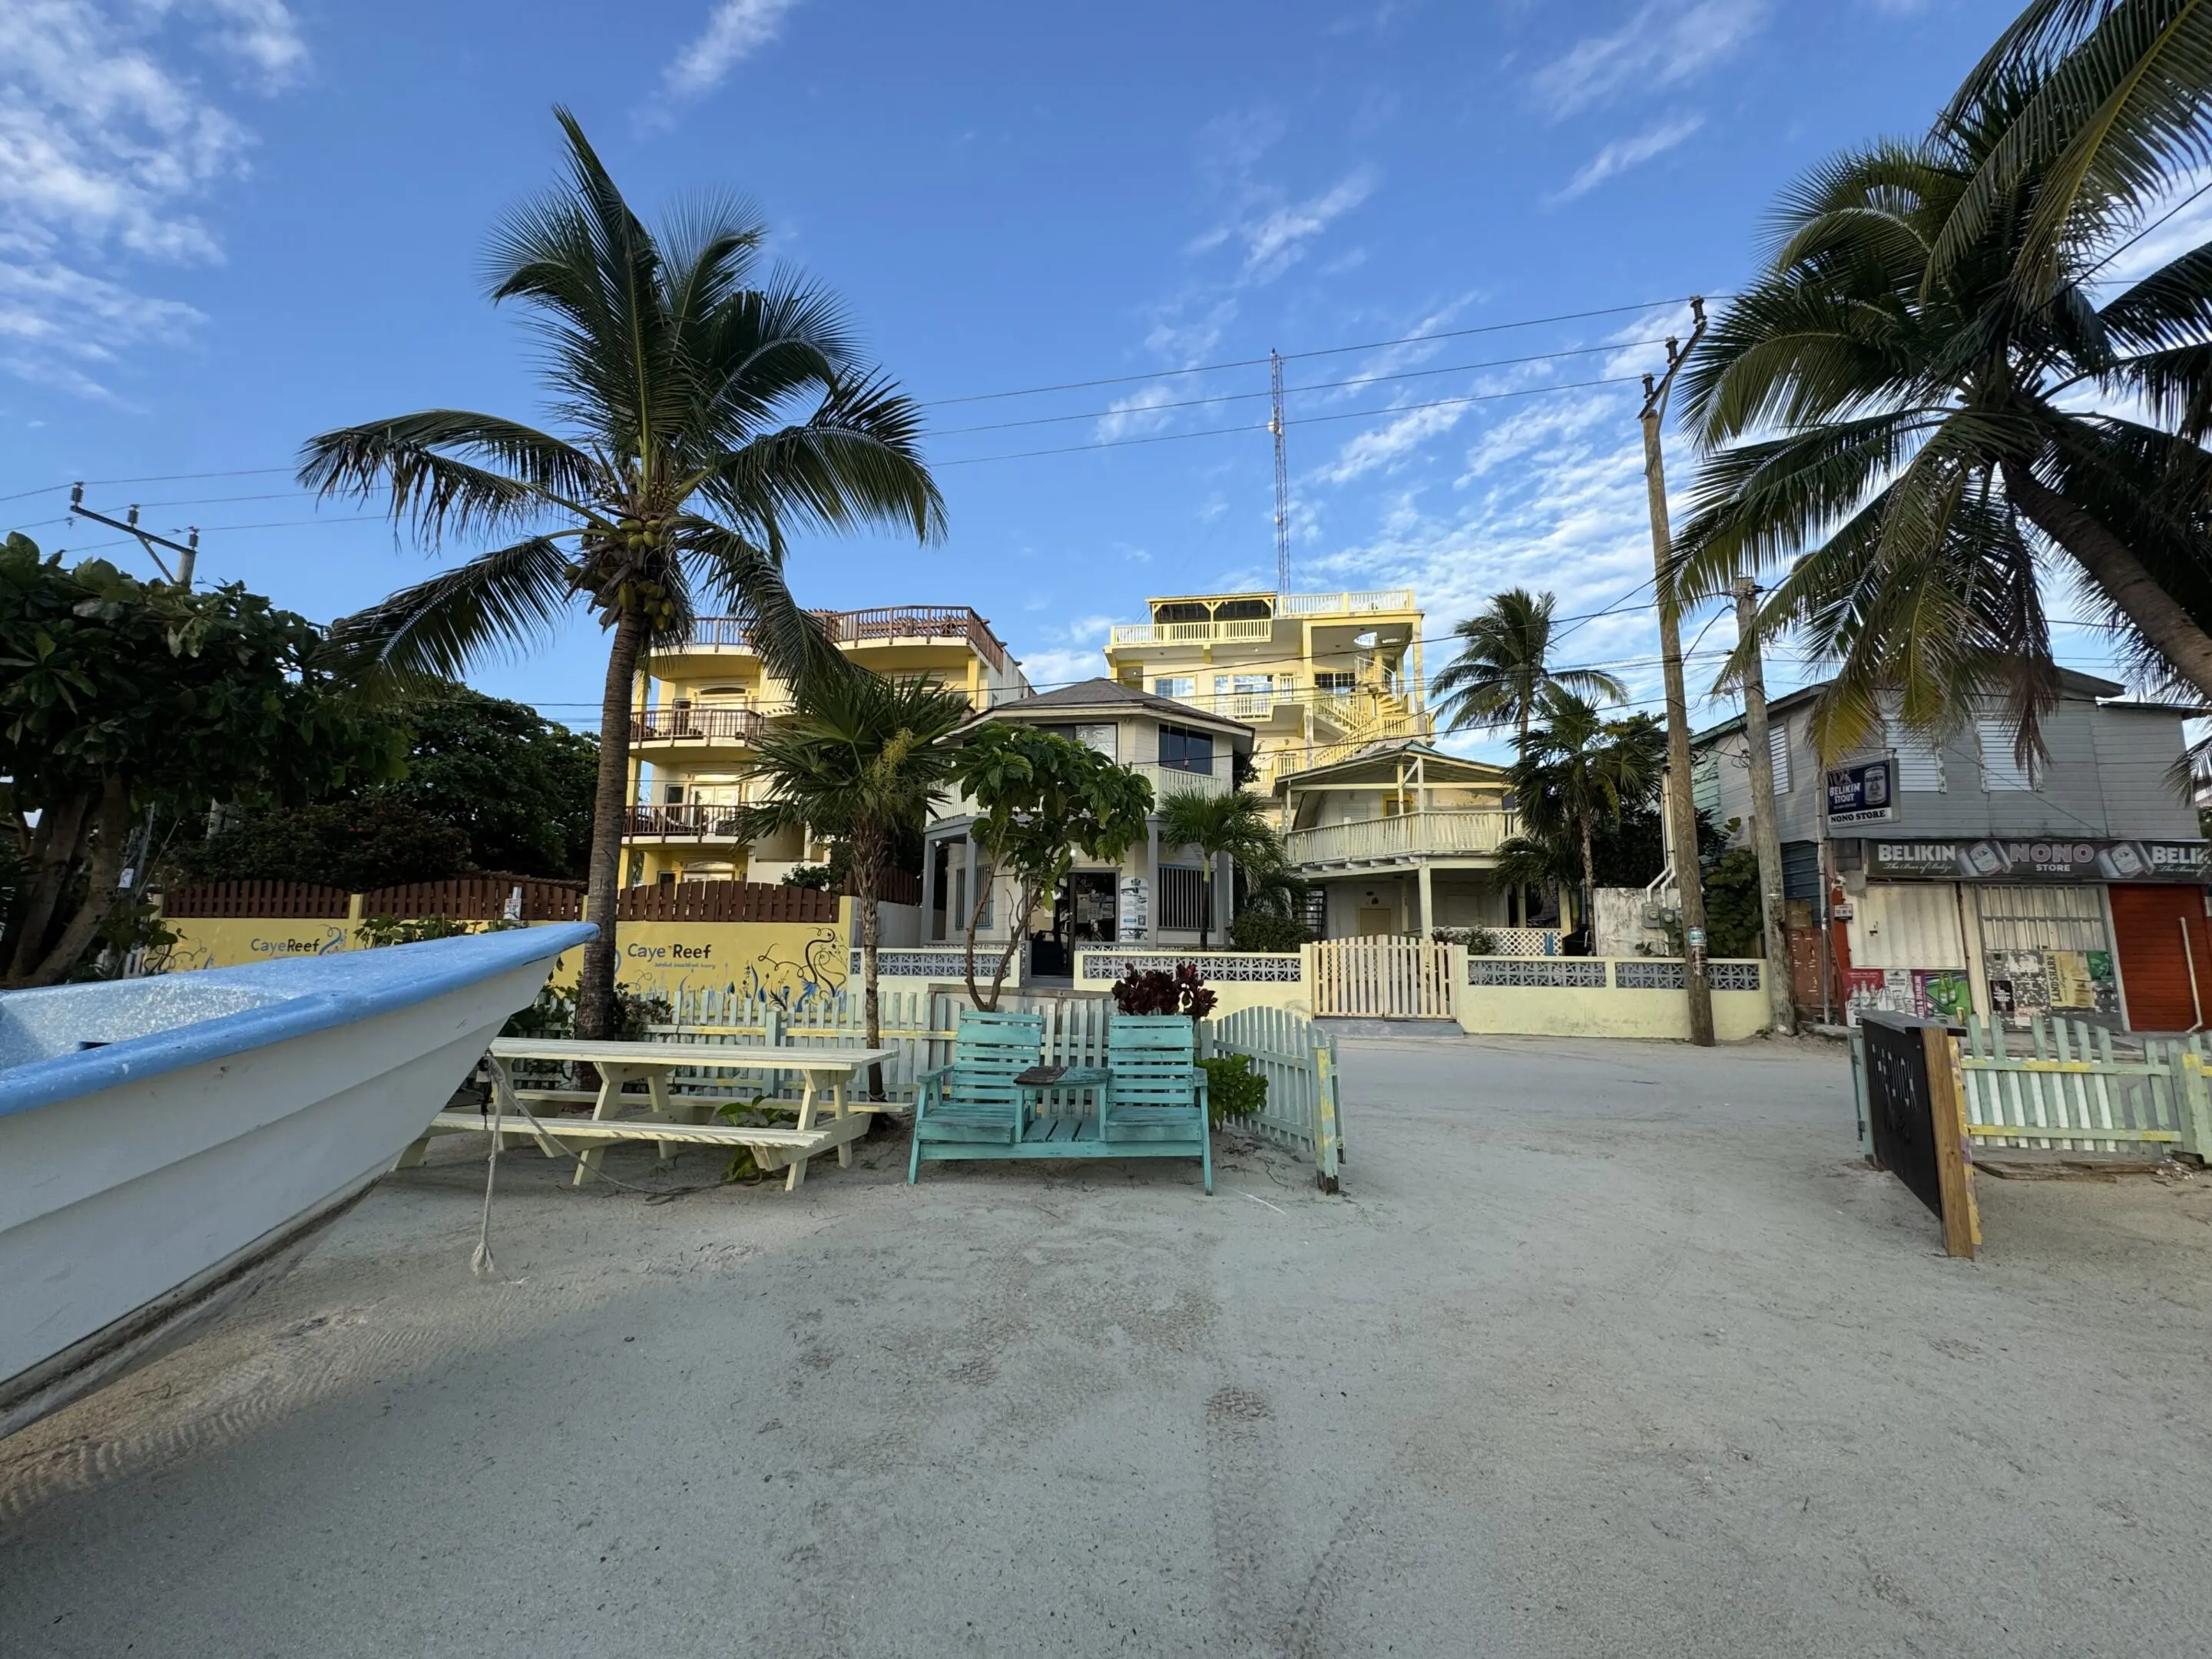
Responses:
[695,820]
[889,622]
[1344,604]
[1249,630]
[1170,780]
[1410,834]
[709,724]
[1287,606]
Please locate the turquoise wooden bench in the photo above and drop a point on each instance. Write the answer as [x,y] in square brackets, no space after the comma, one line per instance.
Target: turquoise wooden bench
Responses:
[1153,1105]
[972,1108]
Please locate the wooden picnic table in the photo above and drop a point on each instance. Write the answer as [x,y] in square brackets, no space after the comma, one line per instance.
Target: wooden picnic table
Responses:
[674,1120]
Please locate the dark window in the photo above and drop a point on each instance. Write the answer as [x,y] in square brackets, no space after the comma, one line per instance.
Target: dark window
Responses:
[1183,611]
[1242,610]
[1182,898]
[1186,750]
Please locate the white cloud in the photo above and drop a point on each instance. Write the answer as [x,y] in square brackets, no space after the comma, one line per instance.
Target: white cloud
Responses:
[737,29]
[1623,154]
[1138,412]
[1382,445]
[1665,44]
[105,151]
[1276,240]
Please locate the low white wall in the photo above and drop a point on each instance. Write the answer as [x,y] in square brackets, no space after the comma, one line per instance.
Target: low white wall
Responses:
[1589,996]
[1239,978]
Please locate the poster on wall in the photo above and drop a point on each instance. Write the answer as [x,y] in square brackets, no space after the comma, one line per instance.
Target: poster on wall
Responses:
[1924,993]
[1134,922]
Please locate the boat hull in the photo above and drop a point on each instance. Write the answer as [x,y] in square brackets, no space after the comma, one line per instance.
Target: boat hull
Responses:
[131,1211]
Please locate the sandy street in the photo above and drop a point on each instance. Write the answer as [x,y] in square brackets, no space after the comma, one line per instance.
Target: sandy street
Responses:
[1607,1349]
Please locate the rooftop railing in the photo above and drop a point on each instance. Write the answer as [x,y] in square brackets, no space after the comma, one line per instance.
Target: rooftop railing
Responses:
[1287,607]
[883,622]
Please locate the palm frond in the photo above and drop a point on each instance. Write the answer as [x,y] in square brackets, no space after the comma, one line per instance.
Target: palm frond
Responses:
[508,599]
[530,475]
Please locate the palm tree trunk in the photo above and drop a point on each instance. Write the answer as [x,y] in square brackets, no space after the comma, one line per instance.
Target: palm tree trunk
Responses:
[595,989]
[1589,884]
[864,883]
[2118,574]
[54,847]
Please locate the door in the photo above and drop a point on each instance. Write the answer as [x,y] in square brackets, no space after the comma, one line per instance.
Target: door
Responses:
[2046,950]
[1377,921]
[2165,953]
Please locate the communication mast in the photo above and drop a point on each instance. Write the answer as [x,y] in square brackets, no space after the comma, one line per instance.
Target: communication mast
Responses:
[1282,475]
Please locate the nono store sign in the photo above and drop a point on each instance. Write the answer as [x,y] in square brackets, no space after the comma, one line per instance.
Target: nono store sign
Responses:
[2008,861]
[1863,792]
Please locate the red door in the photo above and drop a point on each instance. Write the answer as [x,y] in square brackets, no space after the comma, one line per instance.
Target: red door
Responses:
[2149,923]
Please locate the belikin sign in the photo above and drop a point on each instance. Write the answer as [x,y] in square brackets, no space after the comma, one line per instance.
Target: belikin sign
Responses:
[2026,862]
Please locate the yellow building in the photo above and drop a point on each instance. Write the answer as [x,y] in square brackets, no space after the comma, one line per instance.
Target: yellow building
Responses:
[1318,677]
[699,708]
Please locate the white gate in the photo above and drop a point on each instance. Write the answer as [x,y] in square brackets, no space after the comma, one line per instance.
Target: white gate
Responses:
[1385,978]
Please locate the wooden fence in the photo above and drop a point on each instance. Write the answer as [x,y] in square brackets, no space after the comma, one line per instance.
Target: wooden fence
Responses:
[1386,978]
[278,900]
[725,901]
[478,898]
[1302,1113]
[2062,1087]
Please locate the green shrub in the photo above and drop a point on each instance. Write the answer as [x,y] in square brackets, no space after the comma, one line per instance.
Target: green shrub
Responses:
[1260,929]
[1480,941]
[1231,1089]
[554,1014]
[376,931]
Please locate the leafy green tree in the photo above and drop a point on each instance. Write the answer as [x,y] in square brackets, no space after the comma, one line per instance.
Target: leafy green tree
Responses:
[365,841]
[1922,396]
[1038,799]
[1238,823]
[859,763]
[120,698]
[518,786]
[705,417]
[1577,771]
[1503,672]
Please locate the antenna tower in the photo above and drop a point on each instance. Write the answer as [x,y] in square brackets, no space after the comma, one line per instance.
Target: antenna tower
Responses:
[1282,475]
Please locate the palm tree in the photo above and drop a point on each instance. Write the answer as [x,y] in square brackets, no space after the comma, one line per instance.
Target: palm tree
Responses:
[859,763]
[703,419]
[1502,670]
[1922,389]
[1237,823]
[1577,769]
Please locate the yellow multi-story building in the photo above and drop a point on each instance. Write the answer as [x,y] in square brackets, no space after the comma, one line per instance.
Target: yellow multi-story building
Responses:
[1318,677]
[699,708]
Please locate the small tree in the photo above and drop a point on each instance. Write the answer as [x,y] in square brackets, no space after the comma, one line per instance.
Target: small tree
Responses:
[1577,771]
[1236,824]
[120,699]
[859,763]
[1039,799]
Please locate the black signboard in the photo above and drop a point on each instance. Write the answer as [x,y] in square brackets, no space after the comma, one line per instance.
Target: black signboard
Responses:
[1862,792]
[1900,1118]
[2022,860]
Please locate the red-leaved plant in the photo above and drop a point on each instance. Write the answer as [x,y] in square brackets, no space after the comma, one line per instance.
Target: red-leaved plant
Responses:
[1161,993]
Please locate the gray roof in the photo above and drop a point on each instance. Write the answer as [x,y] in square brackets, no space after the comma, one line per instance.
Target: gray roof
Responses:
[2072,683]
[1103,693]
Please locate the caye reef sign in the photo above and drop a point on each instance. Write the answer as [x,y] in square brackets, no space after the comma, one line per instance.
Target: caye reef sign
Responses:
[2040,860]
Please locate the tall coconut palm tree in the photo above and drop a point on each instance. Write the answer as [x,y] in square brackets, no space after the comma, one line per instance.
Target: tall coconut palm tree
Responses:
[702,414]
[1503,670]
[1576,771]
[1922,391]
[860,762]
[1238,823]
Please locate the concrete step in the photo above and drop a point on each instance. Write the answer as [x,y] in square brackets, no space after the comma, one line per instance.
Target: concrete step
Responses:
[1391,1028]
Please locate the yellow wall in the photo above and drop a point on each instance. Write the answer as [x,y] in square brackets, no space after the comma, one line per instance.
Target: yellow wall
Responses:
[777,959]
[1532,1011]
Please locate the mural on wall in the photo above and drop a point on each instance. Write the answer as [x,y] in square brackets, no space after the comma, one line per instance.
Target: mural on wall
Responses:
[2026,985]
[686,961]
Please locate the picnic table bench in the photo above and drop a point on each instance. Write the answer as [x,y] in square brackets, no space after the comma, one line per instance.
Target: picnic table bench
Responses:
[670,1120]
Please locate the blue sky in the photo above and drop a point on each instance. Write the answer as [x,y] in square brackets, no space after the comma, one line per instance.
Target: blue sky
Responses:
[226,224]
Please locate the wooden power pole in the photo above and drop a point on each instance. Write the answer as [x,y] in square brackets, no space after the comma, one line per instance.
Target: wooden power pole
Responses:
[1681,808]
[1765,829]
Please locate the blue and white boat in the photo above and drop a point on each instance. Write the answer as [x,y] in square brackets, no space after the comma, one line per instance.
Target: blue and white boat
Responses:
[168,1143]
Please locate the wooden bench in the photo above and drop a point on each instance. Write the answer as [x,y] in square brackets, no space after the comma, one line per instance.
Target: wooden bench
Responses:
[1153,1105]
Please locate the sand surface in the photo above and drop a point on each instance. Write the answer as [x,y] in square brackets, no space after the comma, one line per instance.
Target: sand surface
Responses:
[1607,1349]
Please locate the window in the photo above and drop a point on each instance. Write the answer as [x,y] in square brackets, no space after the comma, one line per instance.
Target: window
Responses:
[1919,762]
[2001,767]
[1777,749]
[1243,685]
[1182,897]
[1104,737]
[1337,682]
[1175,685]
[1183,750]
[1705,783]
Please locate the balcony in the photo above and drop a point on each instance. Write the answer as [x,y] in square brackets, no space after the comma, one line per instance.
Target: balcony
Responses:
[914,623]
[1288,607]
[1170,780]
[1407,837]
[1248,631]
[686,722]
[691,821]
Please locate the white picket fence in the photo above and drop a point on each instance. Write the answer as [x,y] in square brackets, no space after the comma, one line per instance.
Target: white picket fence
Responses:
[1302,1113]
[1385,978]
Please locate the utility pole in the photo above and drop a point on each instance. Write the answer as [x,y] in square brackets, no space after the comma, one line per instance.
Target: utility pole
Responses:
[1681,809]
[1282,474]
[1765,830]
[187,553]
